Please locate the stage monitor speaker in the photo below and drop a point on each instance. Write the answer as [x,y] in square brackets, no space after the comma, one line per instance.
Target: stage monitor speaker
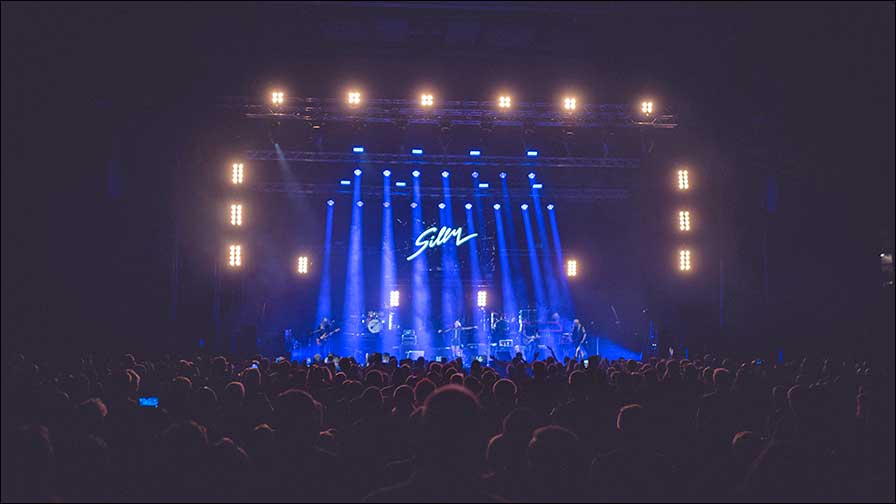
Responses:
[414,354]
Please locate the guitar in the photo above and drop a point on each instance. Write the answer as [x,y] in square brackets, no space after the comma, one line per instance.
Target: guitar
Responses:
[320,340]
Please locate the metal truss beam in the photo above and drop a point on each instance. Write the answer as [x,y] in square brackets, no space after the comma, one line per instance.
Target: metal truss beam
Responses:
[451,113]
[375,192]
[443,160]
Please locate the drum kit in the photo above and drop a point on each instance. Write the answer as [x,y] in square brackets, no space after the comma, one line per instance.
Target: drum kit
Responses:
[372,323]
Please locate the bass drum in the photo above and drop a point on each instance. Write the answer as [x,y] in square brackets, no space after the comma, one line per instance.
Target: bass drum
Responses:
[375,326]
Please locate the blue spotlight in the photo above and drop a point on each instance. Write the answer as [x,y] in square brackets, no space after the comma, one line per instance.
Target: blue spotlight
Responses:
[496,206]
[358,149]
[416,151]
[550,206]
[413,204]
[444,174]
[524,206]
[387,173]
[386,204]
[401,184]
[360,203]
[503,174]
[475,174]
[483,185]
[441,206]
[358,172]
[330,202]
[415,173]
[475,153]
[537,186]
[345,182]
[531,175]
[532,153]
[468,206]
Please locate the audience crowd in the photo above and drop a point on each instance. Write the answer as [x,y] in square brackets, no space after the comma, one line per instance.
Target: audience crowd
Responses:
[210,428]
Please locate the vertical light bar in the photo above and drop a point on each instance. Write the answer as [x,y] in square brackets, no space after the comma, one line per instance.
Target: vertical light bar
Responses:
[482,299]
[684,220]
[572,268]
[236,214]
[394,298]
[237,174]
[684,182]
[302,265]
[236,255]
[684,260]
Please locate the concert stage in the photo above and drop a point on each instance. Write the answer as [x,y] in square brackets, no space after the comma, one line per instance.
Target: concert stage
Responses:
[411,248]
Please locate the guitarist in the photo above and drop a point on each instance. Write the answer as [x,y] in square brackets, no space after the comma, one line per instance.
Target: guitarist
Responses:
[322,335]
[580,336]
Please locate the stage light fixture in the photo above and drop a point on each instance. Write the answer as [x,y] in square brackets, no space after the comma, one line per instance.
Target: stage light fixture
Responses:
[358,149]
[360,203]
[236,214]
[394,298]
[647,107]
[475,174]
[503,174]
[302,267]
[550,206]
[569,103]
[684,182]
[354,98]
[417,152]
[426,100]
[482,299]
[496,206]
[277,97]
[524,206]
[532,153]
[572,268]
[401,184]
[237,174]
[531,175]
[386,204]
[330,202]
[483,185]
[444,174]
[537,185]
[441,206]
[236,256]
[684,220]
[345,182]
[475,153]
[684,260]
[504,102]
[468,206]
[415,173]
[358,172]
[387,173]
[413,204]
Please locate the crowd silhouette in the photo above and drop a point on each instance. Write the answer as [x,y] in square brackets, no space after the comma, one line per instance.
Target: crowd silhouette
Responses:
[705,429]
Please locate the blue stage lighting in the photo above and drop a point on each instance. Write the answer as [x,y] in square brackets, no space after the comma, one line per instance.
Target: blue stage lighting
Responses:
[358,150]
[386,204]
[531,175]
[413,204]
[483,185]
[532,153]
[345,182]
[358,172]
[475,174]
[441,206]
[415,173]
[417,151]
[387,173]
[524,206]
[475,153]
[360,203]
[550,206]
[468,206]
[497,206]
[401,184]
[537,186]
[503,174]
[444,174]
[330,202]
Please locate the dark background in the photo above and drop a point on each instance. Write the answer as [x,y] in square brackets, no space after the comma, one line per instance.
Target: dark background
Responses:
[110,132]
